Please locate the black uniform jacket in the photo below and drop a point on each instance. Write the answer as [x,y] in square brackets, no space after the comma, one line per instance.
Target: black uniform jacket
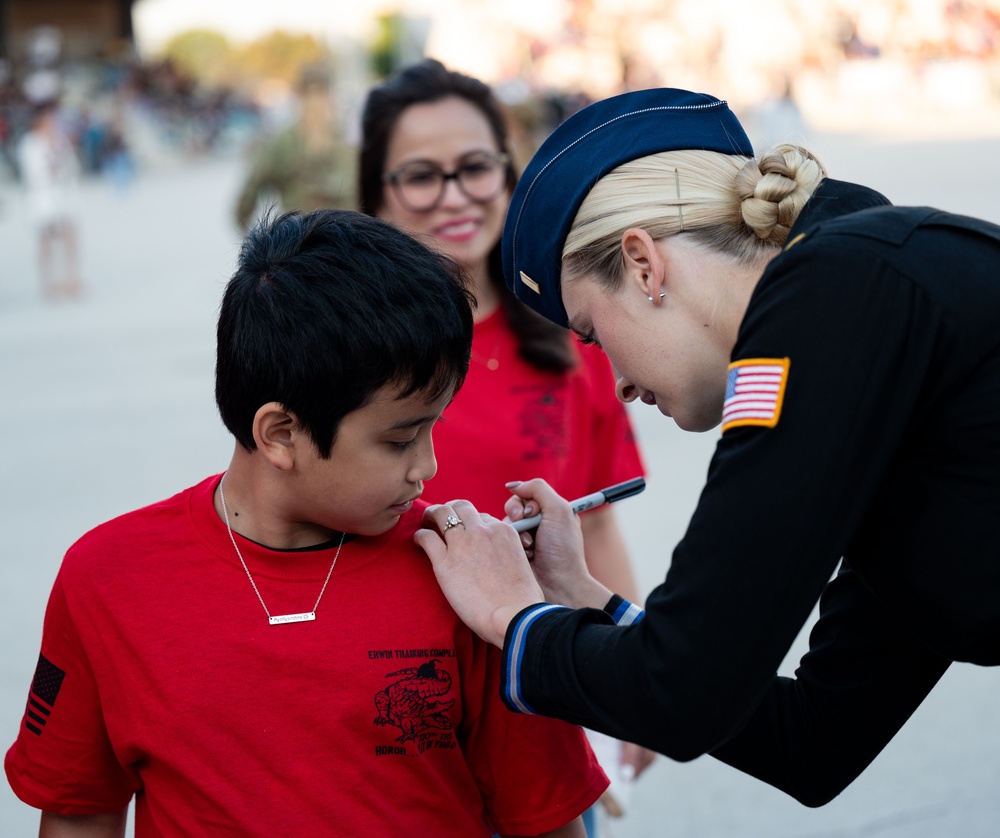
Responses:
[886,455]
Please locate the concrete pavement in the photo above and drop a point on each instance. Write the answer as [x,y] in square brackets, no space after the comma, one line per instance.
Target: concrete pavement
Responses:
[107,404]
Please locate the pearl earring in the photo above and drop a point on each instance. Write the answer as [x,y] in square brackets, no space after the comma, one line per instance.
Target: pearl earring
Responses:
[662,295]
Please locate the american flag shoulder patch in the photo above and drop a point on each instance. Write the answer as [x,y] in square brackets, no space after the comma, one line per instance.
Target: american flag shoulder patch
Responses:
[45,688]
[755,389]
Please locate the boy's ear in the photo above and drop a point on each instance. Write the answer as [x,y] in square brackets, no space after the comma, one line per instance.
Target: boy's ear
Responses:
[274,431]
[644,266]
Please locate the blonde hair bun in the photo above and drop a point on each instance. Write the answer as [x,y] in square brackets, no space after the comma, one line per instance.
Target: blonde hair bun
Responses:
[773,189]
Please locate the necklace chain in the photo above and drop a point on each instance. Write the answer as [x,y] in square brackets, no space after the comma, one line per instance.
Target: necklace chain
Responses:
[277,619]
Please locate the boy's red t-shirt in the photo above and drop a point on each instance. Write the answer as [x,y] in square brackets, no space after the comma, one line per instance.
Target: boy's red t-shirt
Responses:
[160,677]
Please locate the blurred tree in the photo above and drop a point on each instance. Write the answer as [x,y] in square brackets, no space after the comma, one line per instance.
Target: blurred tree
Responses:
[398,40]
[202,54]
[213,61]
[384,48]
[279,55]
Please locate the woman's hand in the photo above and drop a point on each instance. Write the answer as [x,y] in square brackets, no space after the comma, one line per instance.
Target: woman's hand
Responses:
[480,565]
[556,546]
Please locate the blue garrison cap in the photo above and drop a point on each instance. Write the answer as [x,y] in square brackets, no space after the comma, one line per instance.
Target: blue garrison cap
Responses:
[577,154]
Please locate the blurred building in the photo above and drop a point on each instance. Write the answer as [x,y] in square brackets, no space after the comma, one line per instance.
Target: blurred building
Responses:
[87,28]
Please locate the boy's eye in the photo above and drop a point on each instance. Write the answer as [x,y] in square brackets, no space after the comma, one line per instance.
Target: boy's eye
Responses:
[404,444]
[588,339]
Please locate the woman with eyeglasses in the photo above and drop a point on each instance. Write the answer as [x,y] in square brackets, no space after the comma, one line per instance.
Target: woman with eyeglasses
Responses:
[435,161]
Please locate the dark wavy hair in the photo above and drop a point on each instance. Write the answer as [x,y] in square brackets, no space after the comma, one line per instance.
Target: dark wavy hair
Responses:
[542,344]
[326,308]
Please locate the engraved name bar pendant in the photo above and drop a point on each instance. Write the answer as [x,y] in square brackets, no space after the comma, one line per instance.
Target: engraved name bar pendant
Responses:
[281,619]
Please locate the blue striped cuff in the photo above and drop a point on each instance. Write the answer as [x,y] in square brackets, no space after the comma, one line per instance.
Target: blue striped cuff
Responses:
[514,654]
[623,612]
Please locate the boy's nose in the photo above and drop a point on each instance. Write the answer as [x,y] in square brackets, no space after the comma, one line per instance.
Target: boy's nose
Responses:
[424,466]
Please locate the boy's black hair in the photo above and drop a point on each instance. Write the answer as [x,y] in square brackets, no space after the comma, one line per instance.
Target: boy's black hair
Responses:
[542,344]
[326,308]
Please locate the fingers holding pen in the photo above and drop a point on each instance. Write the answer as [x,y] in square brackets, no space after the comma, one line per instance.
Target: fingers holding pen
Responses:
[518,508]
[530,497]
[533,500]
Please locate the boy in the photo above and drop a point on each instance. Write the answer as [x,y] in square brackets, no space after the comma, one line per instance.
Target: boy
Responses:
[267,652]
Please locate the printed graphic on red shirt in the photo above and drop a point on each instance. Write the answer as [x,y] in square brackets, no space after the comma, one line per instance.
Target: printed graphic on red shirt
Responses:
[416,703]
[543,420]
[45,688]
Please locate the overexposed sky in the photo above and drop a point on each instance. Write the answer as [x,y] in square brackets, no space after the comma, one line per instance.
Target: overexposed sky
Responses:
[737,48]
[466,35]
[155,21]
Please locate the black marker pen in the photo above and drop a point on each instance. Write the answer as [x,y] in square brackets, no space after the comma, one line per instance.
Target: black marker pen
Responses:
[619,491]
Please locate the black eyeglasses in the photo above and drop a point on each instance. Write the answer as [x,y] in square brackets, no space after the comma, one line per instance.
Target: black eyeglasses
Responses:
[420,186]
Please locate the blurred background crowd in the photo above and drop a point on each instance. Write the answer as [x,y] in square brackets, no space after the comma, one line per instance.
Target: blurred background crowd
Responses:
[129,95]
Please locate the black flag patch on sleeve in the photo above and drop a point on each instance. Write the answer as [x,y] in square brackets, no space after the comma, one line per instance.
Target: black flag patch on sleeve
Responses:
[45,688]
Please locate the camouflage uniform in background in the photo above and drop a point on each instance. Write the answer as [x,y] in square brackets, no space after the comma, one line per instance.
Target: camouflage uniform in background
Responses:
[300,178]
